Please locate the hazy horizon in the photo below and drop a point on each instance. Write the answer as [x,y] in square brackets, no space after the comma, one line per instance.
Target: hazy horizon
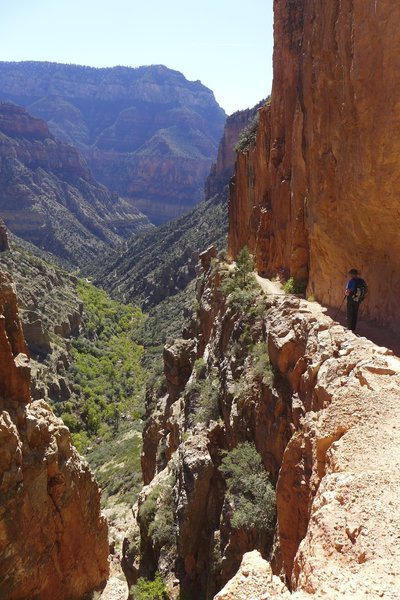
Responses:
[214,43]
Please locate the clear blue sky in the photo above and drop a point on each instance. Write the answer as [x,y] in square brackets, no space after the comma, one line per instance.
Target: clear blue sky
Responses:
[227,44]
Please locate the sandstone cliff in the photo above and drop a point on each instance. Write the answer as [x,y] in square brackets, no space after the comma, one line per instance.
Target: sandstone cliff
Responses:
[318,193]
[147,133]
[49,197]
[318,404]
[53,542]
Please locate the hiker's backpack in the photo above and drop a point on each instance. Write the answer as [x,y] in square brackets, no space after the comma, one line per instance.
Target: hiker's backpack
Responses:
[361,290]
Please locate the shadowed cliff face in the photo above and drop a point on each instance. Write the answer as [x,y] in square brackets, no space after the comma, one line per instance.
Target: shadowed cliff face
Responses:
[147,133]
[49,197]
[53,541]
[319,192]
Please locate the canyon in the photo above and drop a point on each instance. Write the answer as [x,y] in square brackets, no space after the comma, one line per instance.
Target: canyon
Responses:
[146,133]
[263,388]
[274,370]
[162,262]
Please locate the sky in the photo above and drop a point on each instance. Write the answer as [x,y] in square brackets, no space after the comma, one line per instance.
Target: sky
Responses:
[227,44]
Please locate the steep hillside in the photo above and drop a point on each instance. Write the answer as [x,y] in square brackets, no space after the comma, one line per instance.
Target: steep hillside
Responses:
[161,263]
[49,197]
[319,192]
[147,133]
[268,406]
[54,541]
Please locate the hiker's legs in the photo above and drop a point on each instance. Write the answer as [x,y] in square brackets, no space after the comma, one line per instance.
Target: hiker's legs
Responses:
[352,313]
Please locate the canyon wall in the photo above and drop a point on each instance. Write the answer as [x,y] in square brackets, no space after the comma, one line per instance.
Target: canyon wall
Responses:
[53,541]
[147,133]
[319,404]
[49,197]
[317,195]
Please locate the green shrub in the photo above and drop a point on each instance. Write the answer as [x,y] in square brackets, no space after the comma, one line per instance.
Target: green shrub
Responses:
[158,511]
[106,372]
[116,462]
[203,397]
[249,489]
[81,441]
[292,286]
[239,285]
[261,363]
[247,137]
[71,421]
[149,590]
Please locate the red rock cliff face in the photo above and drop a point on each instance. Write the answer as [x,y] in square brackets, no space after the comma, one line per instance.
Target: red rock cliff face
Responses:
[53,542]
[318,194]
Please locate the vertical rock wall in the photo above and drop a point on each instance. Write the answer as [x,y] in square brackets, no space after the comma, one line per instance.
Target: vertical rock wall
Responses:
[53,541]
[319,193]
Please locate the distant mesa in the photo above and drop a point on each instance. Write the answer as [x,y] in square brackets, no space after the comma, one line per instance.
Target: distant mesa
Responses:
[146,133]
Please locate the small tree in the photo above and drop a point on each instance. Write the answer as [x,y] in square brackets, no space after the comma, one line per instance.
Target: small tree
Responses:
[249,488]
[149,590]
[244,267]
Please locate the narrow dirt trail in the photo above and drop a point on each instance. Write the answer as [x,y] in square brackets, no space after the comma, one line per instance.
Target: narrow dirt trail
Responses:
[381,336]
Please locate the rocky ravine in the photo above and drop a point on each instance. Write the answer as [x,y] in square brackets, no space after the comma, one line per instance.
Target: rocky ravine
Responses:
[319,192]
[53,541]
[325,426]
[160,263]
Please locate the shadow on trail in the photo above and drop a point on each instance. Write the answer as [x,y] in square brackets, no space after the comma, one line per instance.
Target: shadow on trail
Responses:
[381,336]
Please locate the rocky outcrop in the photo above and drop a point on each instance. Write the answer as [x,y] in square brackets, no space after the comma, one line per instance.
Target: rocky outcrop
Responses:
[318,193]
[14,369]
[51,312]
[53,541]
[49,197]
[307,393]
[147,133]
[252,580]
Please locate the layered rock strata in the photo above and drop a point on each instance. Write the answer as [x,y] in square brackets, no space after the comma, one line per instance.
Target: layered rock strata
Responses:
[49,197]
[53,541]
[310,415]
[147,133]
[318,193]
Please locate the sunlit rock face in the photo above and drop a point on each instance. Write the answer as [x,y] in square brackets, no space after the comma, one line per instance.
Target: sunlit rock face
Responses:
[319,192]
[53,541]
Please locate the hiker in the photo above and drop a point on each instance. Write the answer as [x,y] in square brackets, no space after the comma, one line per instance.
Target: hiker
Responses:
[356,290]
